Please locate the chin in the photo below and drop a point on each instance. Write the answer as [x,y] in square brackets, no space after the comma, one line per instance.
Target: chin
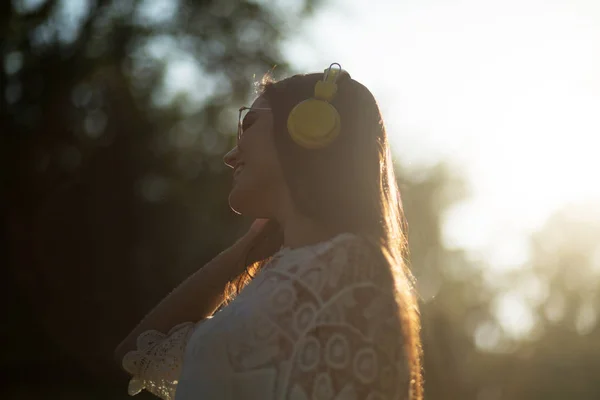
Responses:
[239,201]
[235,202]
[246,202]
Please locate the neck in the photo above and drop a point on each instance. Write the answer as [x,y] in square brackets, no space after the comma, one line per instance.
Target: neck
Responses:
[299,231]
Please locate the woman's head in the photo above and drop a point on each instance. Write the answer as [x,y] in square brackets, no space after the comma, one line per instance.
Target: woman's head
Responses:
[348,186]
[336,186]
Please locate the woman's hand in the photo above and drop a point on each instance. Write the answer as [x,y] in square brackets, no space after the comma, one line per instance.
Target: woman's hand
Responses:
[258,225]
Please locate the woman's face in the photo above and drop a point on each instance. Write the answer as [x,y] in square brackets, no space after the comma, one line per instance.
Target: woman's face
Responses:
[258,182]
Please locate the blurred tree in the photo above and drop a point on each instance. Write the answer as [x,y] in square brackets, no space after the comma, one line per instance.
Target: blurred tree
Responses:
[113,121]
[562,359]
[471,348]
[453,301]
[475,346]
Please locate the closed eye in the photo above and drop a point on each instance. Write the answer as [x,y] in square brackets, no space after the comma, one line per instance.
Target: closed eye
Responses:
[249,119]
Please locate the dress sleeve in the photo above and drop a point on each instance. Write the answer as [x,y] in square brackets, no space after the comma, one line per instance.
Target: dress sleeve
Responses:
[347,337]
[156,363]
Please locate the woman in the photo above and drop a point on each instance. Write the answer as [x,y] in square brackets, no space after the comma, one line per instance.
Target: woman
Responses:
[327,309]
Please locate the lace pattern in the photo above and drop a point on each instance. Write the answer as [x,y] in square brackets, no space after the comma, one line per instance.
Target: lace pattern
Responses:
[156,364]
[318,322]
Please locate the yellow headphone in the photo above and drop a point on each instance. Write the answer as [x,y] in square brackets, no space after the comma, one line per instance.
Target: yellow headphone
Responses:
[315,123]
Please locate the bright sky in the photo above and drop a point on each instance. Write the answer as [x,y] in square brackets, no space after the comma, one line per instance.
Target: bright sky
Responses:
[508,91]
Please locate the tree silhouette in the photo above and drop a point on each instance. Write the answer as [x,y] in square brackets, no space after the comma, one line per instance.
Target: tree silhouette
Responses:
[114,183]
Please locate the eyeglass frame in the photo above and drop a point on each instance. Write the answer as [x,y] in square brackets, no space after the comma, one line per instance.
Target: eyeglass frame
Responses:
[239,132]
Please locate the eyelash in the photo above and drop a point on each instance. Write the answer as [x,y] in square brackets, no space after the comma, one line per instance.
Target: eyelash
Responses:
[247,125]
[244,128]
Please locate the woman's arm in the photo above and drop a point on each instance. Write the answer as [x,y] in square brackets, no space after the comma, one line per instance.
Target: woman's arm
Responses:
[196,298]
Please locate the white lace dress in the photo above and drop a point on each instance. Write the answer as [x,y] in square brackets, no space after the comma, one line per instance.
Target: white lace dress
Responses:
[317,322]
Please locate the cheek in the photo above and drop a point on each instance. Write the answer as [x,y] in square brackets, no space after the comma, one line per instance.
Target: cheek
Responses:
[263,162]
[258,186]
[263,172]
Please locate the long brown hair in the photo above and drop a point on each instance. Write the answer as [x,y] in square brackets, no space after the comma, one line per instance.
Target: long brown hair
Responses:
[349,186]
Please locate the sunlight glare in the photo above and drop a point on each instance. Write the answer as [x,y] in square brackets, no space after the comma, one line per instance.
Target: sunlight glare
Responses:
[509,91]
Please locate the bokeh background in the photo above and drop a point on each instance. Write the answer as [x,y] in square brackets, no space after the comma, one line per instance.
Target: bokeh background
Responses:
[115,116]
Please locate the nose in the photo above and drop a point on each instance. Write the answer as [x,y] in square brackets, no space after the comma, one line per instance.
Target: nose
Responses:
[231,158]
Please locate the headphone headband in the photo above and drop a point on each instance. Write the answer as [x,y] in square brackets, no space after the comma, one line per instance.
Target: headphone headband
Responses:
[331,75]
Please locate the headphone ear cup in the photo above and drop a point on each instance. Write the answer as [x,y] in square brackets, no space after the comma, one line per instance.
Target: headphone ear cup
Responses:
[314,124]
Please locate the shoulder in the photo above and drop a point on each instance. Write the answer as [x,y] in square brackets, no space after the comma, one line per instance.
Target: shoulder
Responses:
[344,261]
[357,255]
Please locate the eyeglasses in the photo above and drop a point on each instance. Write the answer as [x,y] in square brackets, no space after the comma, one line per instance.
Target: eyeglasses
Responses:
[243,112]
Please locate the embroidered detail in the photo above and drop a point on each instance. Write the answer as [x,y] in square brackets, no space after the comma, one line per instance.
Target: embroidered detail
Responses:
[310,354]
[317,322]
[156,363]
[337,354]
